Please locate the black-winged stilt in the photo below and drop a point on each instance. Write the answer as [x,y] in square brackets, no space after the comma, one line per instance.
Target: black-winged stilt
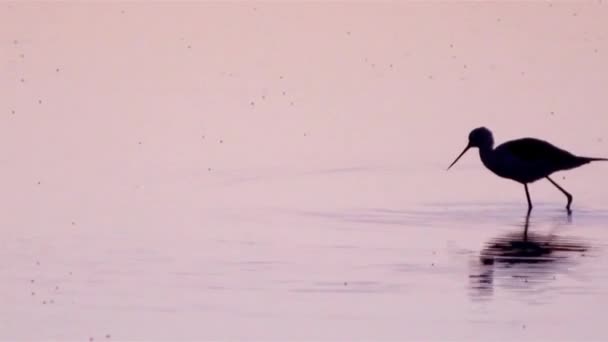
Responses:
[523,160]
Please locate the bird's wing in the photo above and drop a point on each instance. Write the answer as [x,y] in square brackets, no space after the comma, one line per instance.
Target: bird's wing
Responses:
[530,149]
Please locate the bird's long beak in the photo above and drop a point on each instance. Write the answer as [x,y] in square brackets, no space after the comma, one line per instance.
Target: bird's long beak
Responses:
[463,152]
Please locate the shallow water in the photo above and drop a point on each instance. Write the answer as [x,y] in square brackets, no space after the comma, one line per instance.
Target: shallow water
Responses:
[316,271]
[226,171]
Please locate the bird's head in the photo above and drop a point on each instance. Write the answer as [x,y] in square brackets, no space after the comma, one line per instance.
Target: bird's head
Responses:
[480,137]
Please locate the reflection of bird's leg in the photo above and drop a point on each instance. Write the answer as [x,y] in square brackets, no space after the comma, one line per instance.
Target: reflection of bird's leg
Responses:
[528,197]
[563,191]
[526,225]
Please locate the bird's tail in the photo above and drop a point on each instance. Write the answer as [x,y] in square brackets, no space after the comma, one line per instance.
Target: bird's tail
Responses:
[595,159]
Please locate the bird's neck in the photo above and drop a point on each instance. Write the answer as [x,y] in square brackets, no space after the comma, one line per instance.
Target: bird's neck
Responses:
[487,156]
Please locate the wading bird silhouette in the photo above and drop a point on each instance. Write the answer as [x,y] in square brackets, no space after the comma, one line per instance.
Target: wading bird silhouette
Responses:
[523,160]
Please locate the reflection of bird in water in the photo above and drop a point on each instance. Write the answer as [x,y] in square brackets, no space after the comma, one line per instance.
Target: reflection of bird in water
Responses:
[524,160]
[528,248]
[522,256]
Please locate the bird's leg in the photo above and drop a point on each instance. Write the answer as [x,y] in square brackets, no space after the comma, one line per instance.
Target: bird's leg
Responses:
[563,191]
[528,197]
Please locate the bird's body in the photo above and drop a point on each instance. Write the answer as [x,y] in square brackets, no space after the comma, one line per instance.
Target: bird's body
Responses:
[528,160]
[524,160]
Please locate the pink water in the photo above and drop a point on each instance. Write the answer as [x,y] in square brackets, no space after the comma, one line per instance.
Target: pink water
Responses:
[277,171]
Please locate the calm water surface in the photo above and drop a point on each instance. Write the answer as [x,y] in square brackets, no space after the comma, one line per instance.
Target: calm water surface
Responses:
[274,171]
[323,266]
